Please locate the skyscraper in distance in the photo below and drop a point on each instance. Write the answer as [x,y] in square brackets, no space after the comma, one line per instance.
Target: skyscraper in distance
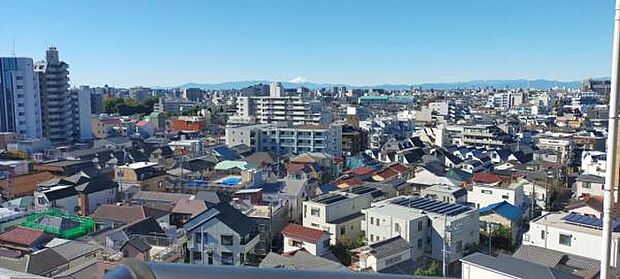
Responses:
[19,98]
[56,102]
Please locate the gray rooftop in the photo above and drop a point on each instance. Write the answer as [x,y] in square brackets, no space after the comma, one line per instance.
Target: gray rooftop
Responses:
[515,267]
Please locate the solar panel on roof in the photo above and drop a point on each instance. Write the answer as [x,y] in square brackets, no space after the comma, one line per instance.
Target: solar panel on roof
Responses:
[588,221]
[430,205]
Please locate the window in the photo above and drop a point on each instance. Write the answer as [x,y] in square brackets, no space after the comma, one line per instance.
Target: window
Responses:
[197,255]
[372,237]
[565,239]
[197,238]
[397,227]
[342,230]
[295,243]
[315,212]
[228,258]
[227,240]
[314,225]
[420,243]
[585,185]
[505,196]
[305,210]
[486,192]
[377,222]
[393,260]
[542,234]
[372,220]
[420,225]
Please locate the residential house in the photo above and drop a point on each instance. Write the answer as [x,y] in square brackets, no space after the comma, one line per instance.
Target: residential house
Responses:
[138,176]
[480,265]
[423,223]
[315,241]
[505,214]
[338,213]
[301,259]
[589,184]
[80,193]
[489,189]
[384,255]
[221,235]
[572,233]
[445,193]
[136,248]
[114,216]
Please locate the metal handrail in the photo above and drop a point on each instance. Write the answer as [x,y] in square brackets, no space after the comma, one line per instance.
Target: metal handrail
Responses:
[134,269]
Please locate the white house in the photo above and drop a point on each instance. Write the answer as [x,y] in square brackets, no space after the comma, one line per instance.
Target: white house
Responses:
[589,184]
[485,194]
[220,235]
[338,213]
[593,162]
[480,265]
[381,255]
[571,233]
[422,223]
[296,237]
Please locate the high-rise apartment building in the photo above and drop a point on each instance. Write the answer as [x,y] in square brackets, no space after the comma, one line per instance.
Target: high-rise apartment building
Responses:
[82,122]
[65,113]
[19,98]
[56,101]
[278,108]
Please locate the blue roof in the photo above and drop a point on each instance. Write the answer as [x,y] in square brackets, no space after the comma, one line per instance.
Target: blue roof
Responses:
[328,188]
[504,209]
[226,153]
[270,188]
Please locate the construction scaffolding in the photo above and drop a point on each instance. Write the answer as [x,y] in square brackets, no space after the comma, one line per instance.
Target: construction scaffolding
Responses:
[60,224]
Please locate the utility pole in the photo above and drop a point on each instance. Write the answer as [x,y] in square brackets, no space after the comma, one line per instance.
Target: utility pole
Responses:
[612,136]
[444,249]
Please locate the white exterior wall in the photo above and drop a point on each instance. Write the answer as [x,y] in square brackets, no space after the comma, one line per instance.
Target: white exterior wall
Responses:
[386,229]
[334,211]
[585,242]
[212,231]
[380,264]
[469,271]
[24,92]
[68,204]
[480,199]
[84,114]
[317,249]
[466,230]
[107,196]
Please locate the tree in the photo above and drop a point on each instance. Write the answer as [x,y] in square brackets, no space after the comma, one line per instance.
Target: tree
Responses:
[501,238]
[432,270]
[342,249]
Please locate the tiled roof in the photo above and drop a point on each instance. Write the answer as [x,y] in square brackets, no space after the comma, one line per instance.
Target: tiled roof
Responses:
[191,207]
[22,236]
[300,232]
[361,171]
[485,177]
[125,214]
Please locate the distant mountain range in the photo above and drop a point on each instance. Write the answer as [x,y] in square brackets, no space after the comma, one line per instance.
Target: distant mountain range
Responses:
[508,83]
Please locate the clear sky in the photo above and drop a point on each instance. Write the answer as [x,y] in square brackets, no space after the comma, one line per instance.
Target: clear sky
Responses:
[131,42]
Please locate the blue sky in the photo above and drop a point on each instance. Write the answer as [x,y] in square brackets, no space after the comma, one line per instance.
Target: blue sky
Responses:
[131,42]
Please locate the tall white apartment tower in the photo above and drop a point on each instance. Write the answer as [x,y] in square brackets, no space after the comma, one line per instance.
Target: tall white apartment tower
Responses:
[19,98]
[56,101]
[276,89]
